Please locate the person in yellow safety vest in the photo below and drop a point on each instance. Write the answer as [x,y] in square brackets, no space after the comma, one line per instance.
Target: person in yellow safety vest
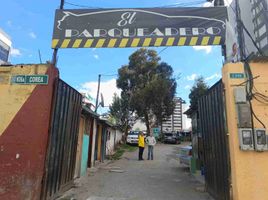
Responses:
[141,144]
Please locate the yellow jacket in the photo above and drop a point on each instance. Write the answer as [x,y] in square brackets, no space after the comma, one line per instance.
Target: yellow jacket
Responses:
[141,141]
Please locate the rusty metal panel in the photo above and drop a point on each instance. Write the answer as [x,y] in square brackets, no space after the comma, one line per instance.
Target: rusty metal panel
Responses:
[61,152]
[213,129]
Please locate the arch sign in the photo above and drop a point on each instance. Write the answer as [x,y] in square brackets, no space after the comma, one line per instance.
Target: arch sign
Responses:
[102,28]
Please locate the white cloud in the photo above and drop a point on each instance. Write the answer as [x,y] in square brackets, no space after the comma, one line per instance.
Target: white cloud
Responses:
[107,88]
[187,87]
[96,56]
[207,49]
[15,52]
[32,35]
[191,77]
[208,4]
[9,23]
[227,2]
[213,77]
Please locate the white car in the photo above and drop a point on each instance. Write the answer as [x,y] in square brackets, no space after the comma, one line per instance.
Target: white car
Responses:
[132,137]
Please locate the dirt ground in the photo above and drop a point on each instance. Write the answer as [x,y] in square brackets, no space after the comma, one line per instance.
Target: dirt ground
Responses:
[161,179]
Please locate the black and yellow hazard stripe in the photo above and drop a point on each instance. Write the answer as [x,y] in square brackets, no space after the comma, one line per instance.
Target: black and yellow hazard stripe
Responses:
[137,42]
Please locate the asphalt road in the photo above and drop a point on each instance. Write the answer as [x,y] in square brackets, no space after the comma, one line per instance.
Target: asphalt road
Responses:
[160,179]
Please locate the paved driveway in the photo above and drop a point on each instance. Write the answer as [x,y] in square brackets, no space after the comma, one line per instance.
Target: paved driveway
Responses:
[160,179]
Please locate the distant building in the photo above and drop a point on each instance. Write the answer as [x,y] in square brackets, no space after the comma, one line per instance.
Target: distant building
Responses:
[5,47]
[139,126]
[254,15]
[260,22]
[175,121]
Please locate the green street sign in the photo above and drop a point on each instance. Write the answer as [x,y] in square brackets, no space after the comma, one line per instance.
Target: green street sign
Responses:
[237,75]
[30,79]
[156,130]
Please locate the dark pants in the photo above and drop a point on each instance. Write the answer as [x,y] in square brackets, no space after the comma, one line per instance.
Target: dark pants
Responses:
[141,149]
[150,152]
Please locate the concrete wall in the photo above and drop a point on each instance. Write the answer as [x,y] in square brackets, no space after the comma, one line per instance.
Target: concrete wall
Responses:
[110,145]
[119,136]
[24,122]
[115,138]
[249,172]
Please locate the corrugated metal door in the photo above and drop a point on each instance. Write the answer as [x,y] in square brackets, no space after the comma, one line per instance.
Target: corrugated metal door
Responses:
[84,155]
[216,154]
[62,146]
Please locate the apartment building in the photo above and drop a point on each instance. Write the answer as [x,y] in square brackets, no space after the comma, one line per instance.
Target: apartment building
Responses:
[5,47]
[175,121]
[242,39]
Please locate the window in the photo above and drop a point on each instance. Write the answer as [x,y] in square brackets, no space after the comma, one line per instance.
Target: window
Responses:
[108,135]
[3,54]
[263,42]
[262,30]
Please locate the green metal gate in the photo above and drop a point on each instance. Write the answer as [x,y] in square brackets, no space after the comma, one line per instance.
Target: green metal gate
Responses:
[62,146]
[212,123]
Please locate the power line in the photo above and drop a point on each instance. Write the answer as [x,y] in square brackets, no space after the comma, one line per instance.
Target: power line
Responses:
[79,5]
[189,3]
[113,73]
[162,50]
[180,4]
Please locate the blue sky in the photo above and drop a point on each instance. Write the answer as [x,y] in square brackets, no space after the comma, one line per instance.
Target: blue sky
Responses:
[30,25]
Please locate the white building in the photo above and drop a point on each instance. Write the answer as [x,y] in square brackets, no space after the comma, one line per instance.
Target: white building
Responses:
[242,39]
[114,137]
[175,121]
[5,47]
[139,126]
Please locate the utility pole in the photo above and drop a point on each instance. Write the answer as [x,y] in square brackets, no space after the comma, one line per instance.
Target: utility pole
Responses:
[98,91]
[55,52]
[240,32]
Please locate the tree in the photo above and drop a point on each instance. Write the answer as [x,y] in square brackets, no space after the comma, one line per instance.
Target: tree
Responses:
[199,89]
[163,92]
[149,86]
[119,110]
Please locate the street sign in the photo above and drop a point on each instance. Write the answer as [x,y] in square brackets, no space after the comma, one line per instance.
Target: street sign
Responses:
[236,75]
[30,79]
[156,130]
[111,28]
